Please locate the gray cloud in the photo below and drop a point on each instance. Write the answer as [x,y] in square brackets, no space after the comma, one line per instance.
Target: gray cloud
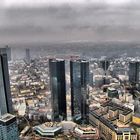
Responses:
[70,23]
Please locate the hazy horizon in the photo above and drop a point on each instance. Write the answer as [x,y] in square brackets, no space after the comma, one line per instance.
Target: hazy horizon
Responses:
[84,20]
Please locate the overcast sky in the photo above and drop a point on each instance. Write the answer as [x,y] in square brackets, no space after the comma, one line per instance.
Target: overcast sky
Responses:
[115,20]
[56,2]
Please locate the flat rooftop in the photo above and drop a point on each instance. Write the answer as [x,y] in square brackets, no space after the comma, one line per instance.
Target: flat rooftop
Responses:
[79,60]
[46,127]
[6,117]
[114,106]
[86,128]
[56,60]
[125,129]
[97,113]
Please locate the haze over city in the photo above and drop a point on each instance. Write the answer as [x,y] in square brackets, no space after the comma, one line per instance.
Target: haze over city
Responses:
[65,21]
[69,70]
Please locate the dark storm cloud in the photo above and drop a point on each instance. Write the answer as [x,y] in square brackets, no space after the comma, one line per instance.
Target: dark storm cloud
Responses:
[70,23]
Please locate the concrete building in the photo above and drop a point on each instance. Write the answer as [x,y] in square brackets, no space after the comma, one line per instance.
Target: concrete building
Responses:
[48,130]
[86,132]
[8,127]
[113,121]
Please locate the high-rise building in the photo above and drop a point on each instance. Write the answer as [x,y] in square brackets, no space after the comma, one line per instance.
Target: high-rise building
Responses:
[6,50]
[5,93]
[8,127]
[28,57]
[105,65]
[134,72]
[79,74]
[91,79]
[58,88]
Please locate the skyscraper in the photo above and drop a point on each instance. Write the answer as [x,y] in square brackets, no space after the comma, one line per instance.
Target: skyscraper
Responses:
[134,72]
[104,65]
[6,50]
[79,73]
[5,94]
[28,57]
[8,127]
[58,88]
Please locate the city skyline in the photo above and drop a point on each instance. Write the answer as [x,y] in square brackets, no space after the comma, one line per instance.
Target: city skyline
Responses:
[70,69]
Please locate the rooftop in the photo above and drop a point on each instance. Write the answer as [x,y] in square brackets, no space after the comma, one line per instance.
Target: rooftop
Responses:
[6,117]
[48,127]
[97,113]
[80,60]
[56,60]
[125,129]
[125,110]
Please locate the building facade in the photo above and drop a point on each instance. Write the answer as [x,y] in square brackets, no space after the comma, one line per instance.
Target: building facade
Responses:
[134,72]
[104,64]
[6,50]
[28,56]
[79,75]
[113,121]
[5,94]
[8,127]
[58,88]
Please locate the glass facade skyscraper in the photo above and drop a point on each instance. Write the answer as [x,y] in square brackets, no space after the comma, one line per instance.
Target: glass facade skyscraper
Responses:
[58,88]
[5,94]
[134,72]
[8,127]
[79,73]
[6,50]
[104,64]
[28,57]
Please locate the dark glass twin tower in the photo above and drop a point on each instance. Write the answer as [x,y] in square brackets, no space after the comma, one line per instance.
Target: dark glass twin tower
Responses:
[79,75]
[58,88]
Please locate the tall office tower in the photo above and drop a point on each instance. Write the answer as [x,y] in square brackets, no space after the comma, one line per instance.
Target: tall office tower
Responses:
[58,88]
[79,74]
[28,57]
[8,127]
[134,72]
[91,79]
[6,50]
[105,65]
[5,94]
[8,53]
